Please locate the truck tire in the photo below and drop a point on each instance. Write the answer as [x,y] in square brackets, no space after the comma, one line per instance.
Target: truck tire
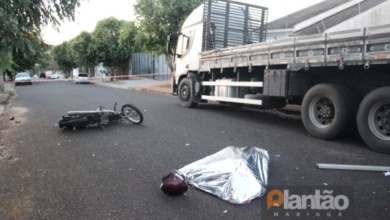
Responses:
[186,95]
[328,111]
[373,120]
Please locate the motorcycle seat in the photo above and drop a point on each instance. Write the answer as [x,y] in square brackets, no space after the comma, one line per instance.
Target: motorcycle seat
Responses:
[81,112]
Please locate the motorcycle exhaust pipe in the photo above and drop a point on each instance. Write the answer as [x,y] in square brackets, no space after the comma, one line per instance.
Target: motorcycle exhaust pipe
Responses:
[74,122]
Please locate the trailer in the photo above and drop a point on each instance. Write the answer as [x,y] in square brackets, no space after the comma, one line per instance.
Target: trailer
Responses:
[341,79]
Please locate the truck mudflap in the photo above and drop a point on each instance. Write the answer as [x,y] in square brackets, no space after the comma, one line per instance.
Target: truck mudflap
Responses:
[173,86]
[196,87]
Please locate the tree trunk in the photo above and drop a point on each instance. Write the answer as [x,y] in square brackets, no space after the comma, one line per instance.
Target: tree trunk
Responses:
[170,61]
[2,87]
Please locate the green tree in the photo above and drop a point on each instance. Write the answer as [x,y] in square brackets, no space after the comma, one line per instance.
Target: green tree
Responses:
[63,55]
[110,52]
[22,19]
[84,50]
[127,36]
[42,62]
[159,18]
[5,65]
[26,60]
[5,61]
[20,29]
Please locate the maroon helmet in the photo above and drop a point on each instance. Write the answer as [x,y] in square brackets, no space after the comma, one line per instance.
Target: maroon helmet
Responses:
[174,184]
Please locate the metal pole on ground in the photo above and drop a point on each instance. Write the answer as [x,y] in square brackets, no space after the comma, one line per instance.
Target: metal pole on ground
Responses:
[352,167]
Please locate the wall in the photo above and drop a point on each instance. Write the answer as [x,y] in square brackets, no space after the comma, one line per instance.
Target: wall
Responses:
[278,34]
[149,66]
[376,16]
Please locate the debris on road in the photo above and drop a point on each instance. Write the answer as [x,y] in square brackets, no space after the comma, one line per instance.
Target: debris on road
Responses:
[234,174]
[387,173]
[174,184]
[352,167]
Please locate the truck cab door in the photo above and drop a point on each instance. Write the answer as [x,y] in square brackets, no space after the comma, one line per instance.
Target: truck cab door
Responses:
[183,53]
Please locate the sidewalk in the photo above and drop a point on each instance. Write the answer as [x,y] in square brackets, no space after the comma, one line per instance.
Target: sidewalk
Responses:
[9,88]
[139,84]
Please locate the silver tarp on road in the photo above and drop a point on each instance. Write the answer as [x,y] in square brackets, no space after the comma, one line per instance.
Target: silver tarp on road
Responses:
[234,174]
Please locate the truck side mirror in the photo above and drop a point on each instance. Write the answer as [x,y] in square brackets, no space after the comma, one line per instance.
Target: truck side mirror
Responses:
[170,39]
[171,44]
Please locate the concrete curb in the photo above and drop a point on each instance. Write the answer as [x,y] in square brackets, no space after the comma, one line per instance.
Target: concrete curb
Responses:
[160,88]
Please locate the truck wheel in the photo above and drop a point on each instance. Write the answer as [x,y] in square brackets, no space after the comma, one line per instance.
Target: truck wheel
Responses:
[373,120]
[328,111]
[186,95]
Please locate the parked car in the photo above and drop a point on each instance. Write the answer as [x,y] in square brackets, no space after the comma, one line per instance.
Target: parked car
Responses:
[42,75]
[22,78]
[57,76]
[81,78]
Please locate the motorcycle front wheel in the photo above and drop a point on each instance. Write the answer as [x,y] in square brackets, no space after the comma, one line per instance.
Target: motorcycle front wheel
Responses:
[132,113]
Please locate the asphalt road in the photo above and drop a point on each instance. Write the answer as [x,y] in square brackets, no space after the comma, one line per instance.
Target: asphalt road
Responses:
[115,173]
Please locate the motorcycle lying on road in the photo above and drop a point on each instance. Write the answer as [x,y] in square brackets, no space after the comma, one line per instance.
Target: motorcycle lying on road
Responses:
[100,117]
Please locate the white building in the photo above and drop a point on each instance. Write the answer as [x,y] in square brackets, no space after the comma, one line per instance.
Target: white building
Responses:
[331,16]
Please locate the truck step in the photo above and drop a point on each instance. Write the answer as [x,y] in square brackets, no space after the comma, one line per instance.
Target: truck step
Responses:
[268,102]
[233,100]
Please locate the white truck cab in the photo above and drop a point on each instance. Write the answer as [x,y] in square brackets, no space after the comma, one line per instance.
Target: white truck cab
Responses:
[189,44]
[212,26]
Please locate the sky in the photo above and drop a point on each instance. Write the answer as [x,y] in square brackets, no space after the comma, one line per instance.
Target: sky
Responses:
[92,11]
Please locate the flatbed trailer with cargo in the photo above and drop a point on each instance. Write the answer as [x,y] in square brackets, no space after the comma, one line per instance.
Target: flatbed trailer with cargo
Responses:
[341,79]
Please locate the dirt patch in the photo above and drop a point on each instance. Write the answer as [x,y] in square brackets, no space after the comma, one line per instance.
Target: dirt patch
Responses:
[5,153]
[17,114]
[3,98]
[8,120]
[4,127]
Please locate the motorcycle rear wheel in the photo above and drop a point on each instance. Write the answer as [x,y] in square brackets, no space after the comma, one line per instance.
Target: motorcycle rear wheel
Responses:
[132,113]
